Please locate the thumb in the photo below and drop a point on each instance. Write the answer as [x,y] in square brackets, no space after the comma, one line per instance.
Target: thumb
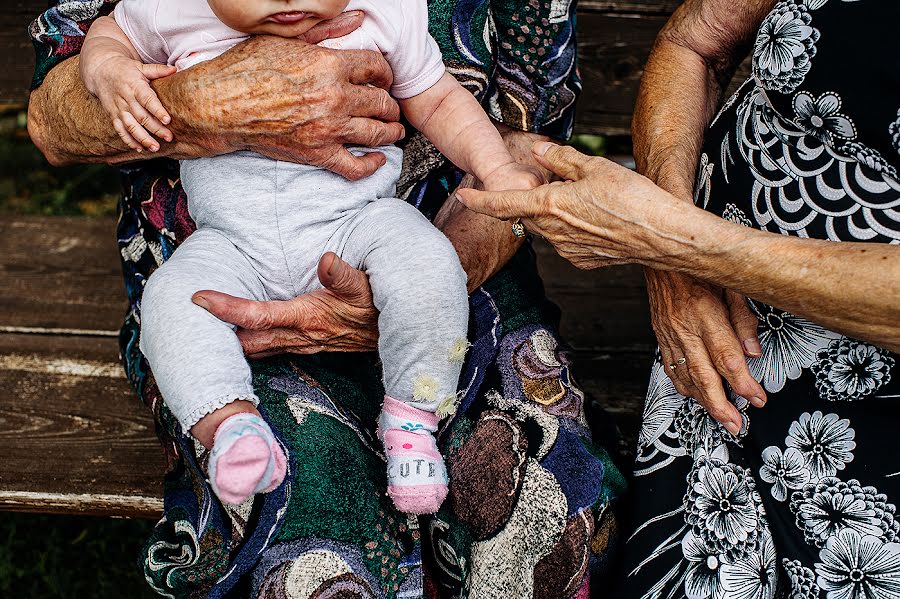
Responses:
[344,281]
[157,71]
[504,205]
[567,162]
[244,313]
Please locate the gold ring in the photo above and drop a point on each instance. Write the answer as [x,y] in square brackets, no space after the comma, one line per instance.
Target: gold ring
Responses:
[518,228]
[677,363]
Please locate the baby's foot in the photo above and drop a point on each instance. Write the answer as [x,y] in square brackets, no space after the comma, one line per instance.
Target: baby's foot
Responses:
[245,459]
[417,476]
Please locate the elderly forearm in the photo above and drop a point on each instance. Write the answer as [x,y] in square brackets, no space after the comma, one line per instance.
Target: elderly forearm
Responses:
[851,288]
[69,126]
[675,104]
[692,62]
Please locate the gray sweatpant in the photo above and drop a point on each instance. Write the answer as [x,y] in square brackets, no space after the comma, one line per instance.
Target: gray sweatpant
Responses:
[262,227]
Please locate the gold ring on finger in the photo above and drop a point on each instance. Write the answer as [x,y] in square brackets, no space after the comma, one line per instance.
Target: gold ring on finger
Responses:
[679,362]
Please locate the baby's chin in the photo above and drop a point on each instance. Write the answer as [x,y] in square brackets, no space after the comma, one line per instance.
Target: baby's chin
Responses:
[281,29]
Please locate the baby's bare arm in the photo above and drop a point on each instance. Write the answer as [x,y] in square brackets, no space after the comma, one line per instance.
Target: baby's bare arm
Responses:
[113,72]
[451,118]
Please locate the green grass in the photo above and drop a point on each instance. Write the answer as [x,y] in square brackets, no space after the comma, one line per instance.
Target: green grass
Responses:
[71,557]
[29,185]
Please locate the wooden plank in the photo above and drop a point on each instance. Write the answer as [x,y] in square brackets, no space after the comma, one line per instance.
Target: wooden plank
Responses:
[604,309]
[60,273]
[615,39]
[73,436]
[62,276]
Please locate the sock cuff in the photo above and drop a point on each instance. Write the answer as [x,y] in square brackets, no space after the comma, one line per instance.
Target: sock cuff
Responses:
[397,411]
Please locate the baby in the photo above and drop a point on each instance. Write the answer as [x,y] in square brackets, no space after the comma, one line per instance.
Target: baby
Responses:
[262,226]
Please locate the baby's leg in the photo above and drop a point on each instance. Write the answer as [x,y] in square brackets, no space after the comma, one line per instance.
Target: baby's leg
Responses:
[200,367]
[419,288]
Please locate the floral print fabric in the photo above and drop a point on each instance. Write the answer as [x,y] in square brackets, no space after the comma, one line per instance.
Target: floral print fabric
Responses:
[530,512]
[803,504]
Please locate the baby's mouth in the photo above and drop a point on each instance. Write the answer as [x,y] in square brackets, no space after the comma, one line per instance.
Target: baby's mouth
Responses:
[287,18]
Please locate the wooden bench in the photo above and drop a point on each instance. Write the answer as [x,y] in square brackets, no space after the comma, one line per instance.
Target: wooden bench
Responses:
[75,439]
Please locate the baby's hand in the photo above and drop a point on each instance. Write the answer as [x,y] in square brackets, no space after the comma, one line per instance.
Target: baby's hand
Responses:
[123,87]
[514,176]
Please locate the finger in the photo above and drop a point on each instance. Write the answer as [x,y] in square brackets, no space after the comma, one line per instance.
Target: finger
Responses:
[273,342]
[745,323]
[366,67]
[370,102]
[727,355]
[343,280]
[370,133]
[138,132]
[131,142]
[250,314]
[150,123]
[150,101]
[353,167]
[157,71]
[567,162]
[671,353]
[504,204]
[710,392]
[343,24]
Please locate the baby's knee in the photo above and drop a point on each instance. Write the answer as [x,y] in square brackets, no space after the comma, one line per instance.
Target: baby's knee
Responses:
[163,301]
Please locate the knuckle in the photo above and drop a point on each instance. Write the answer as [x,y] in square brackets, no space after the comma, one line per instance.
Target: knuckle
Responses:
[729,362]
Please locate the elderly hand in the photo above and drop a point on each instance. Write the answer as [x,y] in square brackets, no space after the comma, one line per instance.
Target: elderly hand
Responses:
[605,214]
[290,100]
[339,317]
[597,216]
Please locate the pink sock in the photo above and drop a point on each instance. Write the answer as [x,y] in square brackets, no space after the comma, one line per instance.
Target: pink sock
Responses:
[417,476]
[245,459]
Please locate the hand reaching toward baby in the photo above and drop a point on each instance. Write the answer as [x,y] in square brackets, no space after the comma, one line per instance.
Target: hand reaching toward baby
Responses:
[122,85]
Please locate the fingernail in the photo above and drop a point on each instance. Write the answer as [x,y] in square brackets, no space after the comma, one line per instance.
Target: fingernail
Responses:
[154,148]
[201,301]
[167,120]
[733,428]
[752,347]
[758,402]
[540,148]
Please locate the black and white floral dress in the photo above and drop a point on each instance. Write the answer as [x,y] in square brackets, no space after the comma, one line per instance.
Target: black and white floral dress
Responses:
[804,504]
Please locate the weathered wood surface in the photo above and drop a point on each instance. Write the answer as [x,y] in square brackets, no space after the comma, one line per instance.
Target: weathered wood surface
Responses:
[615,38]
[74,438]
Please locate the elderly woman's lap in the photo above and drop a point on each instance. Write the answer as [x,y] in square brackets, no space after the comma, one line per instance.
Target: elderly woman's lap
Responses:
[530,496]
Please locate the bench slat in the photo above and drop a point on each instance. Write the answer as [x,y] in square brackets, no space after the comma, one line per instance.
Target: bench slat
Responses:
[60,273]
[72,434]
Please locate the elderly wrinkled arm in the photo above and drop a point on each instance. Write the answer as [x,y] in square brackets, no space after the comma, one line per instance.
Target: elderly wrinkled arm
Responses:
[693,60]
[69,125]
[852,288]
